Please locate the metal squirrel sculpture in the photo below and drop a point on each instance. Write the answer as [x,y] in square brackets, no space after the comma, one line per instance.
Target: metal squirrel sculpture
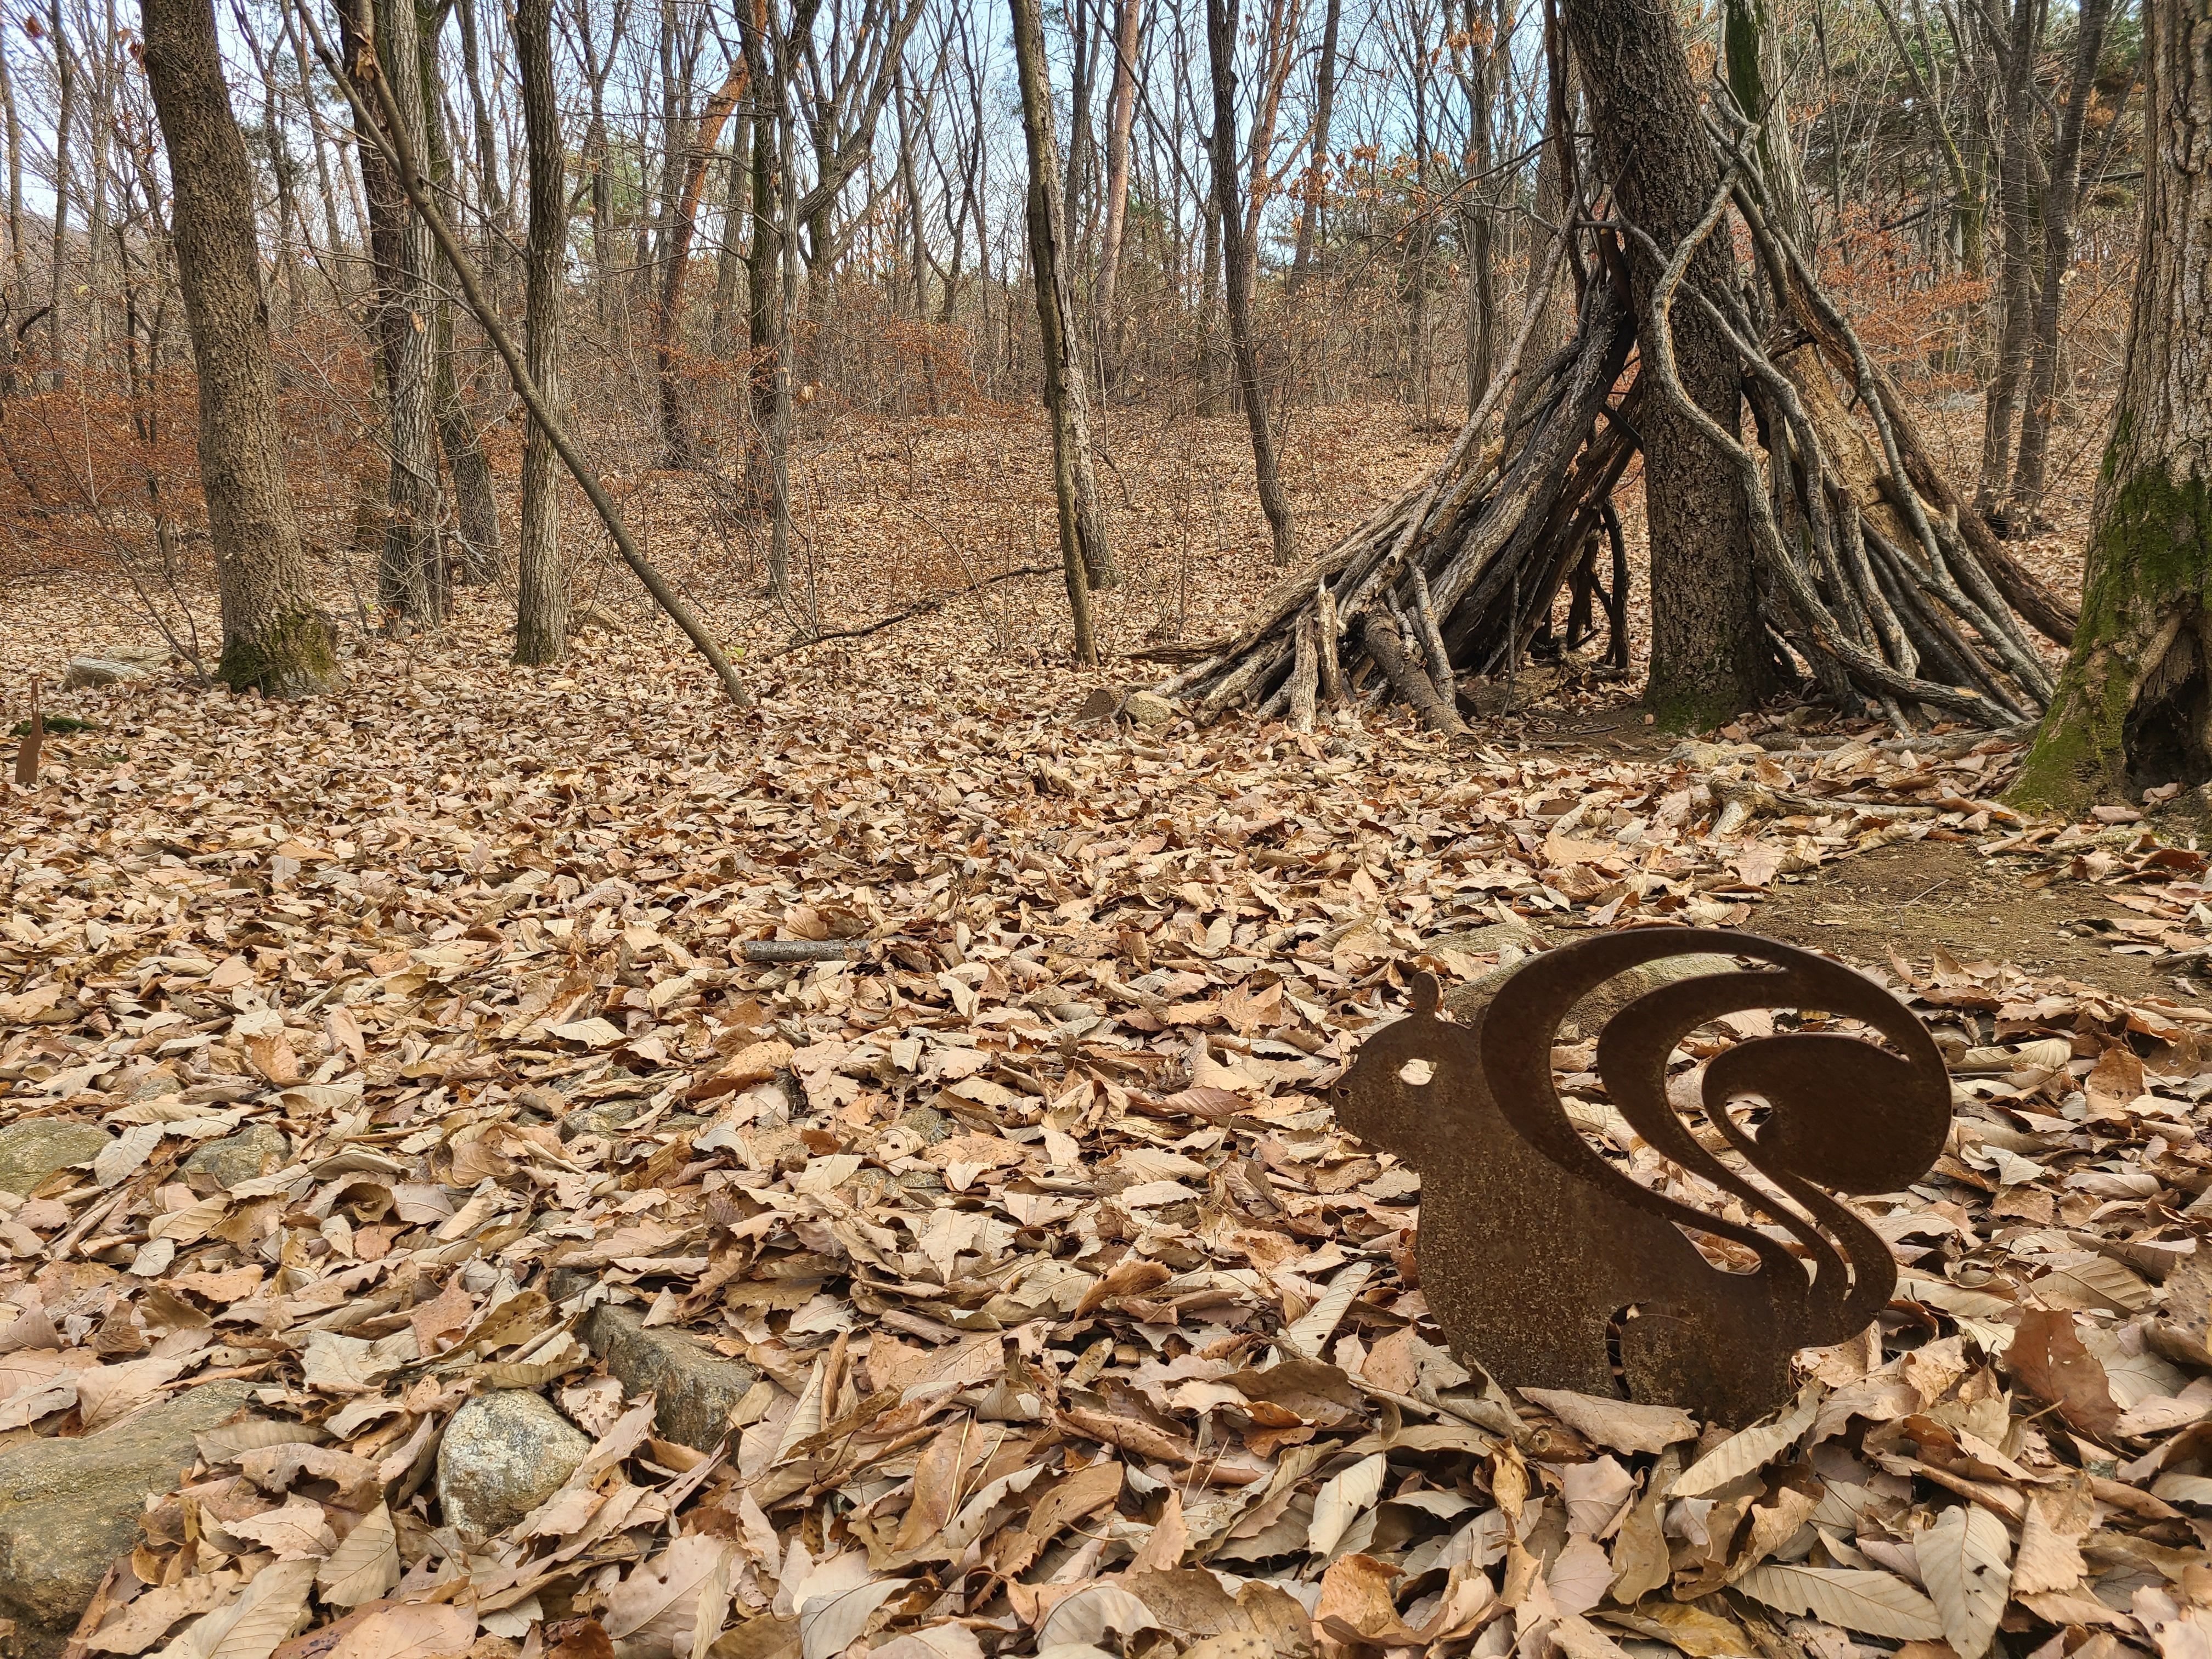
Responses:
[1551,1266]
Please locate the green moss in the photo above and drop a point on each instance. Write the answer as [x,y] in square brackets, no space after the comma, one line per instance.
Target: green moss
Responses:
[2149,556]
[292,657]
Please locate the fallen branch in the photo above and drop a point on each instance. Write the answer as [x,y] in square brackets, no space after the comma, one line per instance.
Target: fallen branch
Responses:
[922,609]
[389,139]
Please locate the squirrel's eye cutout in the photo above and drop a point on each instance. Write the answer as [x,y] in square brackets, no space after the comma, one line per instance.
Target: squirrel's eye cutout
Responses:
[1416,1071]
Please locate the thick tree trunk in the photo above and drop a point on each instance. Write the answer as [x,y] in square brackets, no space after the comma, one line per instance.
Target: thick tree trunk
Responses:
[541,602]
[1083,553]
[2134,707]
[1237,257]
[1707,645]
[273,636]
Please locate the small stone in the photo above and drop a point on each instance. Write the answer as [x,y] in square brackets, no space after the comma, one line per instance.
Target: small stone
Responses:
[69,1507]
[241,1158]
[932,1125]
[694,1391]
[84,671]
[32,1150]
[1149,710]
[503,1455]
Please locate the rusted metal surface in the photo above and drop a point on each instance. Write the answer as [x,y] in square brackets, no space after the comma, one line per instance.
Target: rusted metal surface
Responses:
[1554,1268]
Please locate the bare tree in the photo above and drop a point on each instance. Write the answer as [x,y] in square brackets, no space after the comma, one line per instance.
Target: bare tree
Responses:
[541,605]
[1237,256]
[273,637]
[1083,553]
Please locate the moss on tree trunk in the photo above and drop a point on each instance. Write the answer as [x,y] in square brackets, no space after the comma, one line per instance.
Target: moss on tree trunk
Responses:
[2134,705]
[287,656]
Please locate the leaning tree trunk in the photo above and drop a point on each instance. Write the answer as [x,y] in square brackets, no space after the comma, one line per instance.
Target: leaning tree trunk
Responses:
[541,605]
[1709,653]
[273,637]
[2134,705]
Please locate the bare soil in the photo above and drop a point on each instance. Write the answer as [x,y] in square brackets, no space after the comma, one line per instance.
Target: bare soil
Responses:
[1909,897]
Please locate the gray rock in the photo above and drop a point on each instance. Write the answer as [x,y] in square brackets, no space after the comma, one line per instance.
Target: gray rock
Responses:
[694,1390]
[69,1507]
[502,1455]
[101,671]
[32,1150]
[1466,1003]
[1149,710]
[252,1152]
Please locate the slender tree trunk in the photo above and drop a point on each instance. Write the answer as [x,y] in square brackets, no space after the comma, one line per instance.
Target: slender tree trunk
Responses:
[410,572]
[2016,276]
[729,258]
[2041,404]
[1482,89]
[476,508]
[1317,179]
[1121,117]
[1083,553]
[677,446]
[541,603]
[273,636]
[19,278]
[1237,256]
[64,125]
[2134,705]
[1708,656]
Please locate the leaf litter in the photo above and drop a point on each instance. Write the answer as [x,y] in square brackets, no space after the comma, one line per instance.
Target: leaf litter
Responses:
[413,1028]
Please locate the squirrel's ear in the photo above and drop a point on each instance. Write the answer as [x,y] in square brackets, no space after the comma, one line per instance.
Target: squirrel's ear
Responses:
[1426,995]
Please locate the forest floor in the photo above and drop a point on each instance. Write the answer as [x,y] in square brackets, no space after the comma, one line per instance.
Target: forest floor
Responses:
[391,1107]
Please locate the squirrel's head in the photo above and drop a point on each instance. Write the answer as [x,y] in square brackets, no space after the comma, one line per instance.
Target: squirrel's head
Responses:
[1390,1089]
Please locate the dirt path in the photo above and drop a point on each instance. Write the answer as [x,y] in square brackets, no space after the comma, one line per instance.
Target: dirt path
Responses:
[1918,894]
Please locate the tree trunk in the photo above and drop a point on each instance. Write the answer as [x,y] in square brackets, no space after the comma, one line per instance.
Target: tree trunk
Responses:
[19,281]
[2016,274]
[411,574]
[1317,179]
[475,509]
[1707,645]
[273,636]
[678,449]
[1084,556]
[2134,705]
[2041,405]
[1120,116]
[1482,87]
[58,259]
[541,600]
[1237,257]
